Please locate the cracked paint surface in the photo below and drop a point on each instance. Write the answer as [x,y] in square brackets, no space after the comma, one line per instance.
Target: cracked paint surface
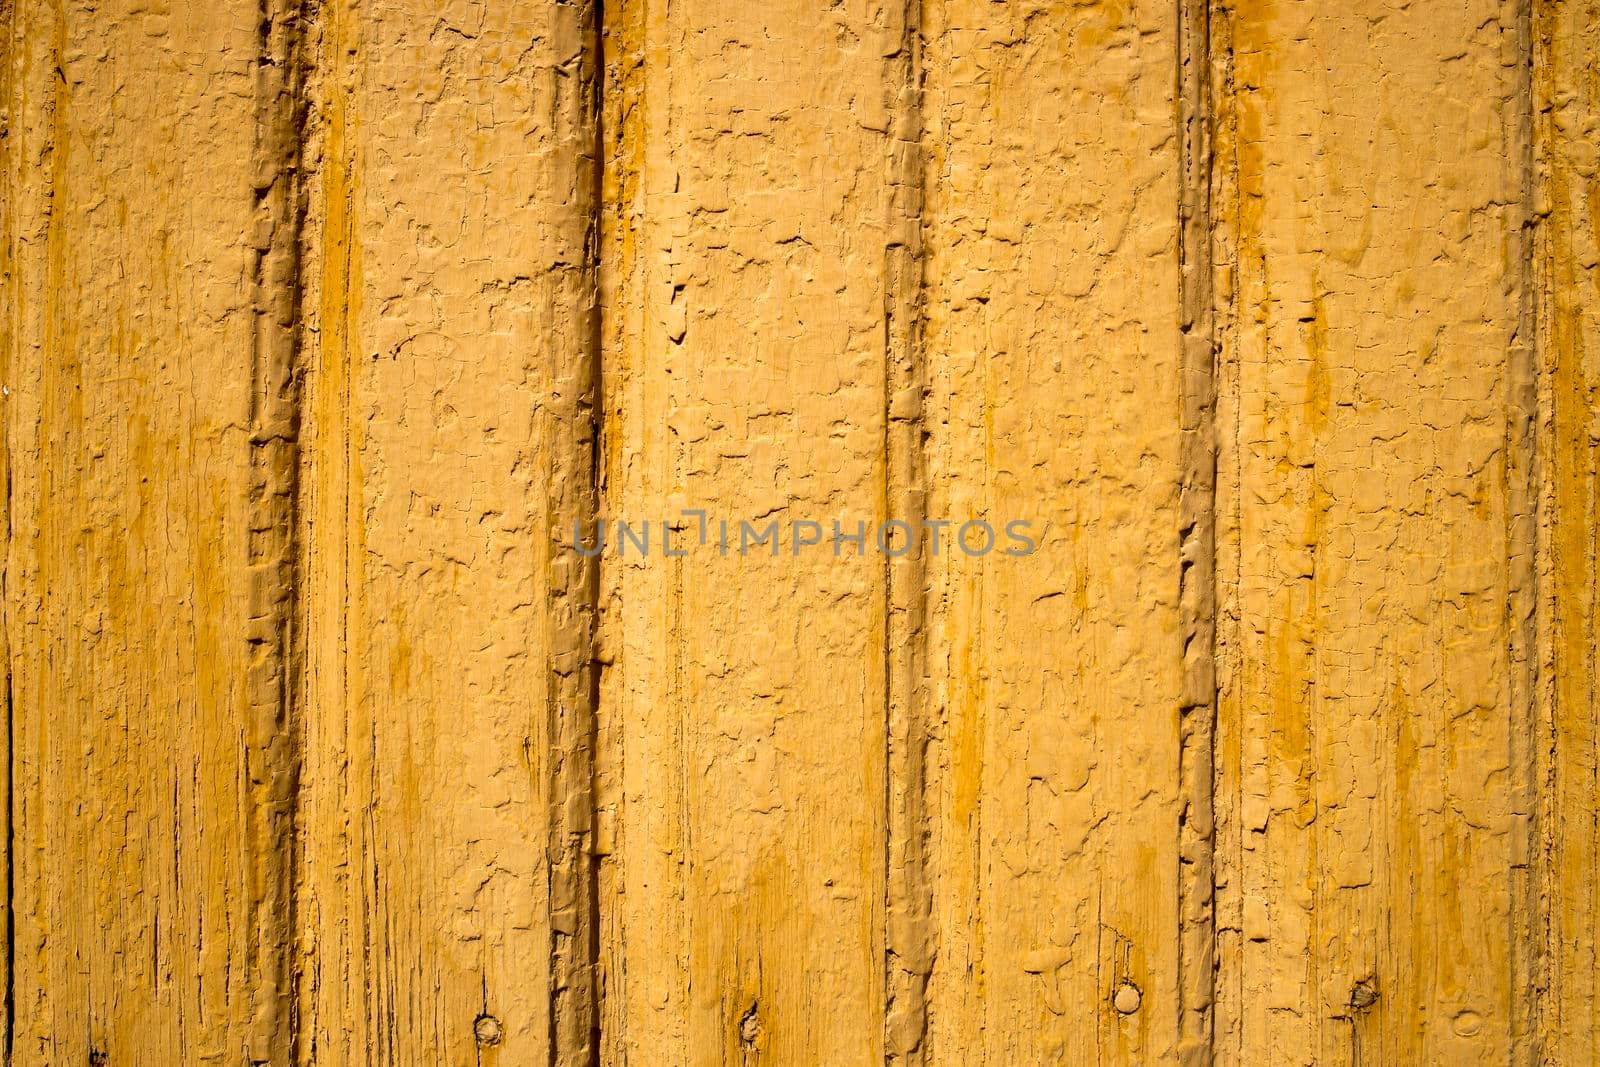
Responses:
[325,320]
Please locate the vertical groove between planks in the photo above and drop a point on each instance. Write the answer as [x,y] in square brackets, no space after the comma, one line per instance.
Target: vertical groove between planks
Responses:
[1526,552]
[1197,542]
[908,896]
[275,624]
[574,890]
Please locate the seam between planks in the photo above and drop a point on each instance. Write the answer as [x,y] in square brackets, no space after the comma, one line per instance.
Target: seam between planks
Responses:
[908,898]
[1527,552]
[1197,541]
[275,624]
[575,1039]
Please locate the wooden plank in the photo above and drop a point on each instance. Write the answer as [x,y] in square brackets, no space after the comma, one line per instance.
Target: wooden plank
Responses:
[1058,397]
[148,574]
[1377,703]
[1566,99]
[747,378]
[450,430]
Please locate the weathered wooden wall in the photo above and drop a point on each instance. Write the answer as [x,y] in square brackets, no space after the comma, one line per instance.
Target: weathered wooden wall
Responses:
[325,320]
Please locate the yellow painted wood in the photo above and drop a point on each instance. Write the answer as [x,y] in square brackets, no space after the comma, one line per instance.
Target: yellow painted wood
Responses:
[447,902]
[324,323]
[748,381]
[1056,377]
[146,570]
[1380,668]
[1566,276]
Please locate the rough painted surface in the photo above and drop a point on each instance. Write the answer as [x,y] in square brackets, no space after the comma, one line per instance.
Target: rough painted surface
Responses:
[1054,361]
[748,380]
[1378,689]
[448,720]
[1566,281]
[323,323]
[148,912]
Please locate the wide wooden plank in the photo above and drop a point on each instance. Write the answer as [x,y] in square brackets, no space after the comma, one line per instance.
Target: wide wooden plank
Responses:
[1380,539]
[448,916]
[148,570]
[745,708]
[1057,397]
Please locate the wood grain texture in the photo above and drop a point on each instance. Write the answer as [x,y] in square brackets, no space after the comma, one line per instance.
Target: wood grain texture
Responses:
[144,384]
[749,883]
[1379,691]
[1054,354]
[1565,90]
[323,324]
[446,857]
